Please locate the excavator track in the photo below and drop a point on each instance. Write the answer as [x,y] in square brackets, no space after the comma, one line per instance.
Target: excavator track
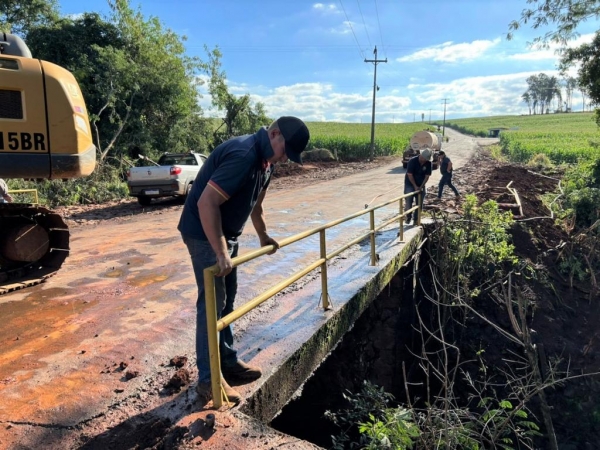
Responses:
[34,243]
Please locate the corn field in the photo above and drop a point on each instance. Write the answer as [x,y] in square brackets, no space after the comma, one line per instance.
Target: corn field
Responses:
[352,141]
[563,138]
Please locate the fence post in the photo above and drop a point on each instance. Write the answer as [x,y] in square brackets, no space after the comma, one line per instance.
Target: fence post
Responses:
[210,297]
[401,234]
[419,206]
[373,255]
[324,289]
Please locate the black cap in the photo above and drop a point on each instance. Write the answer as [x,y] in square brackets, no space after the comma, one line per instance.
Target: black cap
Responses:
[296,135]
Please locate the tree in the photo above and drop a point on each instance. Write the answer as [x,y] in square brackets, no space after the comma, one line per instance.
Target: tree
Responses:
[552,90]
[527,99]
[240,115]
[587,58]
[20,16]
[541,92]
[570,84]
[566,14]
[140,88]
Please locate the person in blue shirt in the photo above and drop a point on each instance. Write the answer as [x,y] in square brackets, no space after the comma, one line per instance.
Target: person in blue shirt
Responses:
[446,171]
[229,189]
[418,172]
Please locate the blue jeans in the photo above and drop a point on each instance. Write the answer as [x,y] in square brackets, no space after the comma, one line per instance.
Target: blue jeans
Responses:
[408,202]
[446,179]
[203,256]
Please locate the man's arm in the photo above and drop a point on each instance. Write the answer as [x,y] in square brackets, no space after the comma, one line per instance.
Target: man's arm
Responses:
[411,178]
[210,217]
[449,169]
[260,225]
[424,181]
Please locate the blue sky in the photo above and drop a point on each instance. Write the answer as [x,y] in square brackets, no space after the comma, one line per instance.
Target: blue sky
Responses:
[306,58]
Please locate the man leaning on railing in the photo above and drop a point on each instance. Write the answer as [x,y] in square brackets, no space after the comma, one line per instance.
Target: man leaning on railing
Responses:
[229,188]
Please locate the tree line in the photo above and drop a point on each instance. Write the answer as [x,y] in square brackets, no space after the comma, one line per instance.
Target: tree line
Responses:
[545,94]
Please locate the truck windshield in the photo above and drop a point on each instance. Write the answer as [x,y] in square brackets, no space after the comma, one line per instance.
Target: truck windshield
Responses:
[170,160]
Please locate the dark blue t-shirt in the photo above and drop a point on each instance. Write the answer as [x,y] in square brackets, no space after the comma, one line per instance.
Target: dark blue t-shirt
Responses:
[444,165]
[419,171]
[238,170]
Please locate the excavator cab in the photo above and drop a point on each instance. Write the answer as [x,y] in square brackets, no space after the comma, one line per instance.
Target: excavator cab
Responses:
[44,127]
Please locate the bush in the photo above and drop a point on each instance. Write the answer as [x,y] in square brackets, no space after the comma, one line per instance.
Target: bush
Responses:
[104,185]
[318,154]
[581,187]
[540,161]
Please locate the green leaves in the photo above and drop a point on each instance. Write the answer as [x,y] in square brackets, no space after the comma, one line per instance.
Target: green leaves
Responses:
[565,14]
[20,16]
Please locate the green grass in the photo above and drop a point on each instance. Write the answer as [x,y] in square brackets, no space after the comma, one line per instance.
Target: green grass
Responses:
[564,138]
[353,140]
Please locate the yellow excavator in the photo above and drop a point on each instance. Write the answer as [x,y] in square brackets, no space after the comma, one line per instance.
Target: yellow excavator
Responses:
[44,134]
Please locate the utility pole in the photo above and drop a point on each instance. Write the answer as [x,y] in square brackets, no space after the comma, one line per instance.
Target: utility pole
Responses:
[444,126]
[429,116]
[375,88]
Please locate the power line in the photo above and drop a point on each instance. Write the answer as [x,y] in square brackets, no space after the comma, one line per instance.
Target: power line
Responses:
[380,33]
[363,20]
[350,25]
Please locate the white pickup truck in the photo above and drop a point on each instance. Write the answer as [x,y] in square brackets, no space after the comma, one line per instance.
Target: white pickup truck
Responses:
[173,176]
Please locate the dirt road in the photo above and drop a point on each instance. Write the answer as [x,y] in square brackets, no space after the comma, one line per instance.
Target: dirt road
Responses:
[91,347]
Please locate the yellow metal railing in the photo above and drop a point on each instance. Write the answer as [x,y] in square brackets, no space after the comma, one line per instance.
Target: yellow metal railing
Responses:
[215,325]
[27,191]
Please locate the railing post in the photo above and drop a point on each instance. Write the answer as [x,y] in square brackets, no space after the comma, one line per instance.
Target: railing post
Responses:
[373,255]
[419,206]
[401,234]
[210,297]
[324,290]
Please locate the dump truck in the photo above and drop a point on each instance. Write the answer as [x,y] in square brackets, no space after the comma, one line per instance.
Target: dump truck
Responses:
[420,141]
[44,134]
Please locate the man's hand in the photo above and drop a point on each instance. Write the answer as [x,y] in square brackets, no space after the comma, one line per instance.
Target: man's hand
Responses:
[225,265]
[267,240]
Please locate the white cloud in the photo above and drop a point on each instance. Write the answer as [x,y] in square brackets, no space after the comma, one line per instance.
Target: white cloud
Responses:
[345,28]
[326,8]
[451,52]
[550,53]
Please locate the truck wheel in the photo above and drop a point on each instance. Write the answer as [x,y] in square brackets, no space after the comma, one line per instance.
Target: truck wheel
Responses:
[188,189]
[404,165]
[144,200]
